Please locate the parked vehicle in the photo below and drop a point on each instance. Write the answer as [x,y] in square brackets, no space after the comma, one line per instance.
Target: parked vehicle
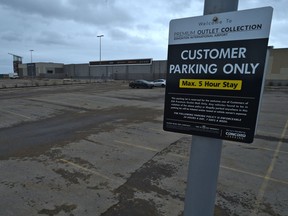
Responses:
[13,76]
[159,83]
[141,84]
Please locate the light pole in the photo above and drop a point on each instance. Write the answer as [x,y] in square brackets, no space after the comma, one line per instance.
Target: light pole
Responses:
[31,54]
[100,36]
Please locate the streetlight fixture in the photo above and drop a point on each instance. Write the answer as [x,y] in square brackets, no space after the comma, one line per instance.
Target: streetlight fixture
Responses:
[100,36]
[31,54]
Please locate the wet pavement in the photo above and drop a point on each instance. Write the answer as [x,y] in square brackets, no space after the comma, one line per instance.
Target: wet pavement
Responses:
[99,149]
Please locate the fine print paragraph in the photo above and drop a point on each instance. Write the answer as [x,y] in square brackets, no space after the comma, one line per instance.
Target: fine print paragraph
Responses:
[210,110]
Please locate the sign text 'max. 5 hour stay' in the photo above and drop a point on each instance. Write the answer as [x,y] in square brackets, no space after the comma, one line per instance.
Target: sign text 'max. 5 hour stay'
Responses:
[215,73]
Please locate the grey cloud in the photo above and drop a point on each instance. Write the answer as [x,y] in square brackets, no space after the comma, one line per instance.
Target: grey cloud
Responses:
[87,11]
[51,38]
[10,36]
[118,34]
[68,29]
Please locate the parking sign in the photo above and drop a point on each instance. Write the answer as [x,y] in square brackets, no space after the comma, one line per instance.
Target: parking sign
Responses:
[215,73]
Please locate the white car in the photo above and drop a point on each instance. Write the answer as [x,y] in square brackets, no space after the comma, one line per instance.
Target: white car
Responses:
[13,75]
[159,83]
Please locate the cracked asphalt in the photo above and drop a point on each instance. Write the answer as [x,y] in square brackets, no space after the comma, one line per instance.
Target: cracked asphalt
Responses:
[99,149]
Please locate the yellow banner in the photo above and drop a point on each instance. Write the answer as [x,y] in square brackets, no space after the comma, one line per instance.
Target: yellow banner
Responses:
[235,85]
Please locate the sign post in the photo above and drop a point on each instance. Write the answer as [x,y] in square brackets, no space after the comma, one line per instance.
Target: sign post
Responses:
[214,79]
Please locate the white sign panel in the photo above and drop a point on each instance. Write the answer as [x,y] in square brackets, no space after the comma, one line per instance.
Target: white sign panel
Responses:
[215,73]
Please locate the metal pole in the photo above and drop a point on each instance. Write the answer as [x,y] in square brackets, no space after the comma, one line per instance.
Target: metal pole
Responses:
[205,153]
[220,6]
[31,54]
[100,50]
[100,36]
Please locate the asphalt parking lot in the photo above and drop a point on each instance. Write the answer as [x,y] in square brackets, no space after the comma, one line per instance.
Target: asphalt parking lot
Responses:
[99,149]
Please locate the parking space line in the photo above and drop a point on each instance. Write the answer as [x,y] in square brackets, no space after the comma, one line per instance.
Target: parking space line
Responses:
[255,146]
[156,130]
[238,170]
[178,155]
[17,114]
[270,169]
[255,175]
[268,149]
[221,166]
[268,178]
[138,146]
[267,133]
[150,149]
[83,168]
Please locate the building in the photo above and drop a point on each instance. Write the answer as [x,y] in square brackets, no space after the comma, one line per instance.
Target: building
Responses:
[277,69]
[119,69]
[42,70]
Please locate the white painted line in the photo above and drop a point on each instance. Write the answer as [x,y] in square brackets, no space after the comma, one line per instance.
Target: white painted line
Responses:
[178,155]
[221,166]
[254,146]
[157,130]
[83,168]
[263,187]
[267,133]
[17,114]
[268,178]
[138,146]
[254,174]
[237,170]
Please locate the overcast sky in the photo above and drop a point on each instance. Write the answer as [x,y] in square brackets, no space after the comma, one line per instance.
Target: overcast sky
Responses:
[65,31]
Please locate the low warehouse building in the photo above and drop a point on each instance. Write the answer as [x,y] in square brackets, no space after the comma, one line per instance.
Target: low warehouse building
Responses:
[42,70]
[277,69]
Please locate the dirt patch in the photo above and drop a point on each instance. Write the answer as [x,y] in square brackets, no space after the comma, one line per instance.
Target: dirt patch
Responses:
[65,208]
[143,180]
[221,211]
[135,207]
[72,177]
